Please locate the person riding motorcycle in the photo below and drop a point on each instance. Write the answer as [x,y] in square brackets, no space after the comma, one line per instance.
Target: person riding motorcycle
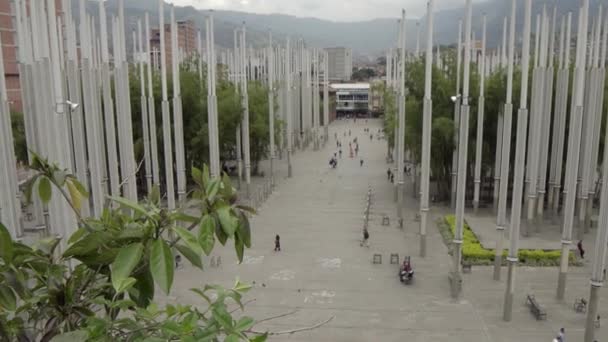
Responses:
[407,272]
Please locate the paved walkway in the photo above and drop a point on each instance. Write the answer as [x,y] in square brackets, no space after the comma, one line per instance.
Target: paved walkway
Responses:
[323,272]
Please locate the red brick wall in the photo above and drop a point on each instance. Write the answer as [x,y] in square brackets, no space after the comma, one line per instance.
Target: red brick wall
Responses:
[9,52]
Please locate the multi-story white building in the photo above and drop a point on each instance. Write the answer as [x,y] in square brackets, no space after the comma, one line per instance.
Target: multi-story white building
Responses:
[352,99]
[340,64]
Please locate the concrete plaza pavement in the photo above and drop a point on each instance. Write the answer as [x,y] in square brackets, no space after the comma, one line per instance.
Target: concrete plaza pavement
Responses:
[322,271]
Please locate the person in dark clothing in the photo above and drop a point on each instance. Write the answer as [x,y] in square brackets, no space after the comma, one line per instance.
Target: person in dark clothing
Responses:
[388,174]
[392,178]
[581,251]
[365,241]
[361,162]
[277,243]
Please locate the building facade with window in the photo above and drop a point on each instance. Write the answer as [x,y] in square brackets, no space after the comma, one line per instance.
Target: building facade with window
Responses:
[340,64]
[186,42]
[352,99]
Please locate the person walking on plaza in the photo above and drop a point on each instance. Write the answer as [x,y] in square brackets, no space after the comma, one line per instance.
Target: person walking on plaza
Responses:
[388,173]
[277,243]
[340,153]
[365,241]
[581,251]
[361,162]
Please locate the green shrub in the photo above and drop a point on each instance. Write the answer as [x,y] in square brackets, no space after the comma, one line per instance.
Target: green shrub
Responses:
[473,252]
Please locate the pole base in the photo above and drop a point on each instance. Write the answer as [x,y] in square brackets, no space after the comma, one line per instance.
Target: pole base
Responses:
[422,245]
[561,285]
[497,267]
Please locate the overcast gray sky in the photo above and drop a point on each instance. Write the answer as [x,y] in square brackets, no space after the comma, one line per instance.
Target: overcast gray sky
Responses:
[337,10]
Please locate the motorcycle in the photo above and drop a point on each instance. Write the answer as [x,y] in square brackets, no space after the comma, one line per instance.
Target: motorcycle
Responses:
[406,277]
[406,272]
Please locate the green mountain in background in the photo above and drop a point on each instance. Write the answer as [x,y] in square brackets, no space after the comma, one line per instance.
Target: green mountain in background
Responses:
[366,38]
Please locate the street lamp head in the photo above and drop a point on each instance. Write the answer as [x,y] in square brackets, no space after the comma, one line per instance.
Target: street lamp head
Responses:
[455,97]
[60,106]
[73,106]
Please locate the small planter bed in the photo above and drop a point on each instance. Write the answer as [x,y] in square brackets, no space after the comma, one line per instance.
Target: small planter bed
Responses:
[475,254]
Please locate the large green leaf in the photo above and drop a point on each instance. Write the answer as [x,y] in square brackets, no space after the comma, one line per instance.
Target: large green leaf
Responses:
[87,244]
[232,338]
[154,195]
[227,189]
[59,177]
[243,324]
[143,290]
[239,247]
[222,316]
[125,262]
[212,187]
[83,191]
[72,336]
[189,239]
[124,284]
[206,237]
[197,176]
[192,256]
[47,245]
[8,301]
[129,204]
[6,244]
[75,196]
[244,230]
[228,222]
[162,265]
[205,174]
[44,189]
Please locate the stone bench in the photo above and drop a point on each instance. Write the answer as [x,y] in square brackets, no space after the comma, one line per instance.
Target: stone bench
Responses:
[535,308]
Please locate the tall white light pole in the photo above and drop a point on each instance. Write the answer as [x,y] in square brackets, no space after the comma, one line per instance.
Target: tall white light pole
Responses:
[126,143]
[463,146]
[558,120]
[501,220]
[427,120]
[151,109]
[574,141]
[562,112]
[240,73]
[597,106]
[288,92]
[245,123]
[400,139]
[502,62]
[178,123]
[326,94]
[547,109]
[456,117]
[480,114]
[601,240]
[165,111]
[144,108]
[271,105]
[212,111]
[518,178]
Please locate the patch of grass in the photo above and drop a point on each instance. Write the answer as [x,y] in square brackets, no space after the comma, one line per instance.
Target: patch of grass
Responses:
[474,253]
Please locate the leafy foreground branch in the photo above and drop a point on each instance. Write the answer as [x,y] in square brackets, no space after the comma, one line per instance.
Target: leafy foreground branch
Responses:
[120,258]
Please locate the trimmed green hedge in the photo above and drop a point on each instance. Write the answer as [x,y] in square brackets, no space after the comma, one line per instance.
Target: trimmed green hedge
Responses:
[474,253]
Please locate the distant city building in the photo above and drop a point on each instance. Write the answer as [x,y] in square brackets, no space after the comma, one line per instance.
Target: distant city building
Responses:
[340,64]
[186,42]
[8,32]
[351,99]
[376,105]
